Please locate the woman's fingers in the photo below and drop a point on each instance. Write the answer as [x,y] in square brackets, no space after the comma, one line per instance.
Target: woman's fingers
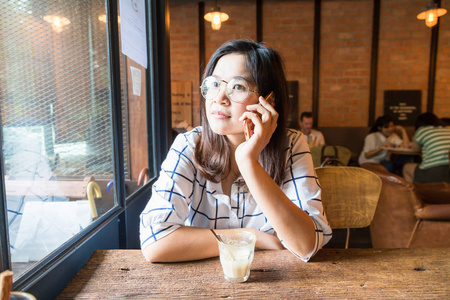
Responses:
[265,110]
[266,104]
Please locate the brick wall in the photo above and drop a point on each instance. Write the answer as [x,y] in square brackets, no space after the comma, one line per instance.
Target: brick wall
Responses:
[345,63]
[346,38]
[404,49]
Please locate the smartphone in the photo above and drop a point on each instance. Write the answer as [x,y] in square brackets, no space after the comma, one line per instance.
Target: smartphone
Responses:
[248,124]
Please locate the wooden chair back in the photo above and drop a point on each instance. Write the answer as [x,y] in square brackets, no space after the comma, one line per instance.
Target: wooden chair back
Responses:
[349,195]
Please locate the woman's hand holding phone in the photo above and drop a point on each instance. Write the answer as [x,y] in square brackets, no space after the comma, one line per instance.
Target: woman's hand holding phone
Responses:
[263,118]
[249,127]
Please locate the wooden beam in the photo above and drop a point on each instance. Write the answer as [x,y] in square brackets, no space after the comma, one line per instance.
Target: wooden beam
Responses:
[259,16]
[432,64]
[374,61]
[316,63]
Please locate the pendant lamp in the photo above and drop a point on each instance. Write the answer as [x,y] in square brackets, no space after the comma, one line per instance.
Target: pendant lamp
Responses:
[216,17]
[432,14]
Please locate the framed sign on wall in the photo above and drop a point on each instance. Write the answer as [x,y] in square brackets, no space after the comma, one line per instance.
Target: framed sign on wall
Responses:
[404,106]
[292,117]
[181,103]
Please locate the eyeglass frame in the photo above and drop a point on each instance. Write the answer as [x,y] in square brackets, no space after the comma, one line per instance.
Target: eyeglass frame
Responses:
[226,82]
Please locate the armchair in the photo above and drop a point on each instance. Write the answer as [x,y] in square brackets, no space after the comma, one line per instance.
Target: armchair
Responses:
[403,220]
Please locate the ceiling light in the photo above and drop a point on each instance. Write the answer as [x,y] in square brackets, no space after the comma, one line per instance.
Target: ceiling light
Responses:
[432,14]
[56,22]
[216,17]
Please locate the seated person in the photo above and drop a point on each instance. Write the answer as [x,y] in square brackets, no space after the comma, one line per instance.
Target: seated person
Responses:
[214,178]
[381,136]
[313,137]
[184,126]
[434,141]
[445,121]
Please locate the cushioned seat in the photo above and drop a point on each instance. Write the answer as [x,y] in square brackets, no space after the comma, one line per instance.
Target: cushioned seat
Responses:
[402,219]
[435,193]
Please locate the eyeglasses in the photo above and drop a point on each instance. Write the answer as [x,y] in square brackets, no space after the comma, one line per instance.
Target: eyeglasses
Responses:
[237,89]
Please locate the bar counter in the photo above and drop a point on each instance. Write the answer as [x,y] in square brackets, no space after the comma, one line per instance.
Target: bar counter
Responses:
[331,273]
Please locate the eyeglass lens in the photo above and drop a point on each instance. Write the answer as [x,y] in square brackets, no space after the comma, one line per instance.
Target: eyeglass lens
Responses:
[236,90]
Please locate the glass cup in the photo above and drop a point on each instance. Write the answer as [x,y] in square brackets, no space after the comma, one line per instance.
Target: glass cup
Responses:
[236,254]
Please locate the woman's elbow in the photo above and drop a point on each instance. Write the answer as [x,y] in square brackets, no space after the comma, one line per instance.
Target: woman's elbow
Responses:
[153,254]
[305,249]
[304,254]
[148,255]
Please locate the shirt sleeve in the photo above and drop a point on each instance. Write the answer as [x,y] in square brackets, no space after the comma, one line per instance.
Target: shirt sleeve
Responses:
[168,206]
[418,136]
[320,139]
[369,144]
[302,187]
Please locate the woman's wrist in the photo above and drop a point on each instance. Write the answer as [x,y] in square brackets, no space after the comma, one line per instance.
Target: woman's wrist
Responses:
[246,163]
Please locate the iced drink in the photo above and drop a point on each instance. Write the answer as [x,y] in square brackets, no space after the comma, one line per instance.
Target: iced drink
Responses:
[236,254]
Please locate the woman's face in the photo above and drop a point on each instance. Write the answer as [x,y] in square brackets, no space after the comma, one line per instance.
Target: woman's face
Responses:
[222,114]
[387,131]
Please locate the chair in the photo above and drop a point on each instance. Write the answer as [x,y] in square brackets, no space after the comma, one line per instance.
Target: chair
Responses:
[343,154]
[434,193]
[349,196]
[403,220]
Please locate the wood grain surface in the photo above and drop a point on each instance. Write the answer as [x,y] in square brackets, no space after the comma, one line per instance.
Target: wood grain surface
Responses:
[332,273]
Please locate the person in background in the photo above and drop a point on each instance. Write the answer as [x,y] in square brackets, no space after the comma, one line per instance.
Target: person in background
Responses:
[433,139]
[445,121]
[184,126]
[213,177]
[313,137]
[381,136]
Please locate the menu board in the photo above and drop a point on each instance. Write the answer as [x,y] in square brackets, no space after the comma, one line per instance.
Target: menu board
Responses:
[181,102]
[403,106]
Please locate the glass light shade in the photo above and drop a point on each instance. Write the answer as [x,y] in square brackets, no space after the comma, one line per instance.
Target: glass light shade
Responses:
[56,22]
[431,18]
[431,15]
[102,18]
[216,17]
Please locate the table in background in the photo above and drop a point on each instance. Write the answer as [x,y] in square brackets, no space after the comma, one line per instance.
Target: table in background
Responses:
[409,155]
[332,273]
[403,151]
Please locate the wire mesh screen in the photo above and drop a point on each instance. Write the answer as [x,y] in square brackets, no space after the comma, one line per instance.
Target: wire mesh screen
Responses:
[54,85]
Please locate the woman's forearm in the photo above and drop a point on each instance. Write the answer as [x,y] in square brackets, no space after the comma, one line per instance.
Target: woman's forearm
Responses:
[193,243]
[405,137]
[184,244]
[373,152]
[290,222]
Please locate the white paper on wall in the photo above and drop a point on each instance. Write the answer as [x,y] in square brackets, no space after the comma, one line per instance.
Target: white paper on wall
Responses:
[133,32]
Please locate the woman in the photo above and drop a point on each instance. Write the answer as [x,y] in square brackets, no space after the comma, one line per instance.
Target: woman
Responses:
[214,178]
[381,136]
[434,141]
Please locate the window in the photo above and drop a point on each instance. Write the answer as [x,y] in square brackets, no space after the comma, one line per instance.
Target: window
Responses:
[56,124]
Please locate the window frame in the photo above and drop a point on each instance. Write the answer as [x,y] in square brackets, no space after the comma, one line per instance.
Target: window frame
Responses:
[119,227]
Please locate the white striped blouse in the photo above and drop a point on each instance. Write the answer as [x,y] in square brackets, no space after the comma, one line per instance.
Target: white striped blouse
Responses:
[182,197]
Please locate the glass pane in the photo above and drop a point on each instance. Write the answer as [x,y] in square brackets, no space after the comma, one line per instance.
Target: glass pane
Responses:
[56,122]
[134,120]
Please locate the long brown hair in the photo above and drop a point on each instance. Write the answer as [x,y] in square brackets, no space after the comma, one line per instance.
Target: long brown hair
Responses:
[212,152]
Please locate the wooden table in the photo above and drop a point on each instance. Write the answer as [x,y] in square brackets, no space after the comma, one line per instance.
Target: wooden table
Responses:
[332,273]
